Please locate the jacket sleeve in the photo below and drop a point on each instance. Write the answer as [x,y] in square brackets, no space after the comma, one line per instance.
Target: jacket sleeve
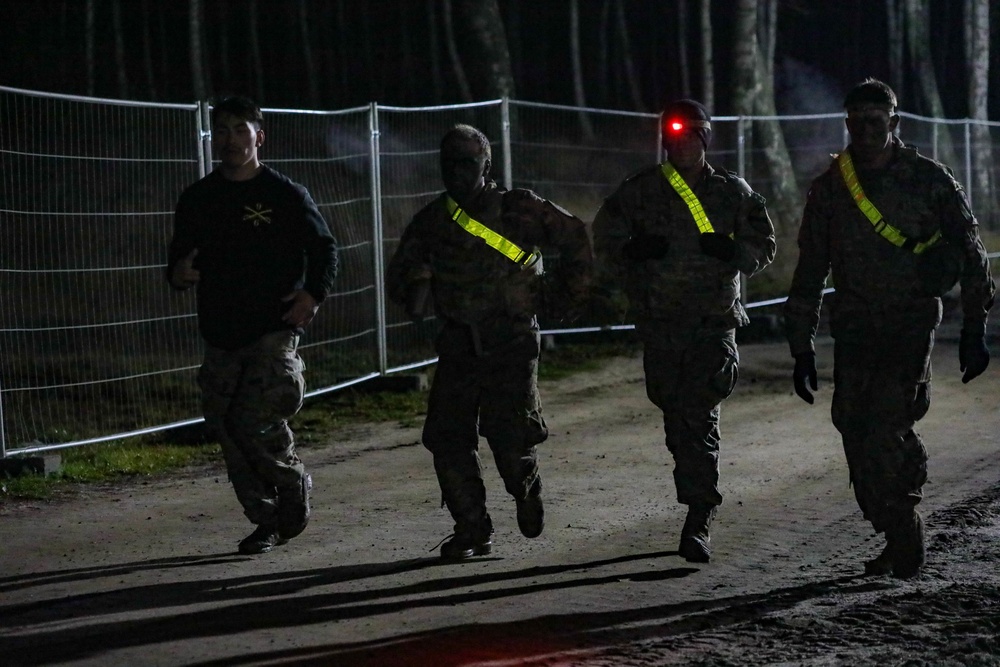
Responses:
[185,236]
[754,233]
[408,264]
[805,297]
[321,251]
[960,228]
[611,231]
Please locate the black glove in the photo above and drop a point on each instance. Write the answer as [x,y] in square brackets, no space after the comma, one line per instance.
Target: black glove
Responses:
[718,245]
[646,246]
[805,369]
[973,355]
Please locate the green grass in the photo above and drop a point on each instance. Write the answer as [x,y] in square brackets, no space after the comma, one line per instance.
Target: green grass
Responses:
[161,454]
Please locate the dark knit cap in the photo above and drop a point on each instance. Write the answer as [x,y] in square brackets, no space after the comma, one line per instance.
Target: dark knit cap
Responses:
[689,110]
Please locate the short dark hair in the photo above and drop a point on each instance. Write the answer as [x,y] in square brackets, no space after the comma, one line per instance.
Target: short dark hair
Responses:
[241,107]
[463,132]
[871,91]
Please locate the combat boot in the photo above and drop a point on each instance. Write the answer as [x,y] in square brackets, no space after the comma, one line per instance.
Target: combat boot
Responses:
[531,511]
[695,539]
[907,542]
[466,545]
[293,508]
[881,564]
[261,540]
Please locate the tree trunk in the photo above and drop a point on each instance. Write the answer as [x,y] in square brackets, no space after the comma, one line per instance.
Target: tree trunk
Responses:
[919,42]
[578,95]
[603,86]
[465,95]
[88,45]
[486,54]
[257,71]
[682,47]
[312,83]
[746,84]
[895,38]
[784,202]
[437,85]
[977,38]
[707,62]
[147,53]
[630,77]
[116,27]
[223,31]
[197,60]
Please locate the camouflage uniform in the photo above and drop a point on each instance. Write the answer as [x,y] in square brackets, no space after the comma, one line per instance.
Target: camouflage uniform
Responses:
[687,306]
[488,347]
[883,317]
[248,395]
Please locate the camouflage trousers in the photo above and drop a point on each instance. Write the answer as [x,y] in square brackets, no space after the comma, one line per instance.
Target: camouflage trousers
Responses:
[881,389]
[688,375]
[248,395]
[496,396]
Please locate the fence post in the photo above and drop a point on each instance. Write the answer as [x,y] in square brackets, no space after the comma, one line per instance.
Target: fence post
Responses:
[968,162]
[204,140]
[3,429]
[741,150]
[378,252]
[508,172]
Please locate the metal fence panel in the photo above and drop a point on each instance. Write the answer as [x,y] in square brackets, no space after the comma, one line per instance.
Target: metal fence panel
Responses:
[93,344]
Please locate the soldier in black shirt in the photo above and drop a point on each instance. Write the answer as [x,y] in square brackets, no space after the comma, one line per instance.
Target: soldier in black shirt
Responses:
[263,260]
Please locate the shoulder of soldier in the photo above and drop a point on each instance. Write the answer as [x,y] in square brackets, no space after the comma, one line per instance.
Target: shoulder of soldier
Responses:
[925,165]
[528,199]
[739,184]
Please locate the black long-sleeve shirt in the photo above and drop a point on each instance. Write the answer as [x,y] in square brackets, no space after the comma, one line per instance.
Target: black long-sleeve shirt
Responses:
[257,241]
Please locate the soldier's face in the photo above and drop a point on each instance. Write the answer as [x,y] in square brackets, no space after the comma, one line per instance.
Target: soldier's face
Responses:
[235,140]
[464,167]
[871,128]
[684,149]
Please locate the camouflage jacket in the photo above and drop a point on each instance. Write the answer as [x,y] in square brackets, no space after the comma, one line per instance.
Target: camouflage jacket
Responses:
[474,284]
[876,282]
[686,288]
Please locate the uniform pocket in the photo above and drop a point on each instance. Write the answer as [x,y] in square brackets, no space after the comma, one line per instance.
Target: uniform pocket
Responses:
[723,382]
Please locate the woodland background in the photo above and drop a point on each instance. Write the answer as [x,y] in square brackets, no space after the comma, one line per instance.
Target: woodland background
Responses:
[740,56]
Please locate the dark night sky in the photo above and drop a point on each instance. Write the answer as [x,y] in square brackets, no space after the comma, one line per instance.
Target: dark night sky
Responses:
[824,46]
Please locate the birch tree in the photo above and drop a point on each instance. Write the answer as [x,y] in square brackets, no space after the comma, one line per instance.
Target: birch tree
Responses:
[977,40]
[147,53]
[630,76]
[578,92]
[312,82]
[255,59]
[754,95]
[485,51]
[894,25]
[116,27]
[196,51]
[918,41]
[88,45]
[707,61]
[456,63]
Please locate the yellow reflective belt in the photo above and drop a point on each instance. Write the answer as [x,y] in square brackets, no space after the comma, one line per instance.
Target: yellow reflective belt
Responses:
[675,180]
[505,247]
[884,229]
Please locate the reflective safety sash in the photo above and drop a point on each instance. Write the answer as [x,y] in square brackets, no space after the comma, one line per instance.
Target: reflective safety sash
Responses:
[884,229]
[677,182]
[505,247]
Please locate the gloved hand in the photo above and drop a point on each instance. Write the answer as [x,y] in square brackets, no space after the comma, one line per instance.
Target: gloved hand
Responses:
[718,245]
[646,246]
[973,355]
[805,369]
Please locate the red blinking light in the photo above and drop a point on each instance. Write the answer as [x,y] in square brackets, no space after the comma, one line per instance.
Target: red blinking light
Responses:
[675,126]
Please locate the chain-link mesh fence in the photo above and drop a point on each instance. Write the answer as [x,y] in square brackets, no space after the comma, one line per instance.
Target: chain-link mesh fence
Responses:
[95,346]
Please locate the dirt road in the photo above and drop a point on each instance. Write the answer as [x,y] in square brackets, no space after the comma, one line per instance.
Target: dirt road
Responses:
[148,574]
